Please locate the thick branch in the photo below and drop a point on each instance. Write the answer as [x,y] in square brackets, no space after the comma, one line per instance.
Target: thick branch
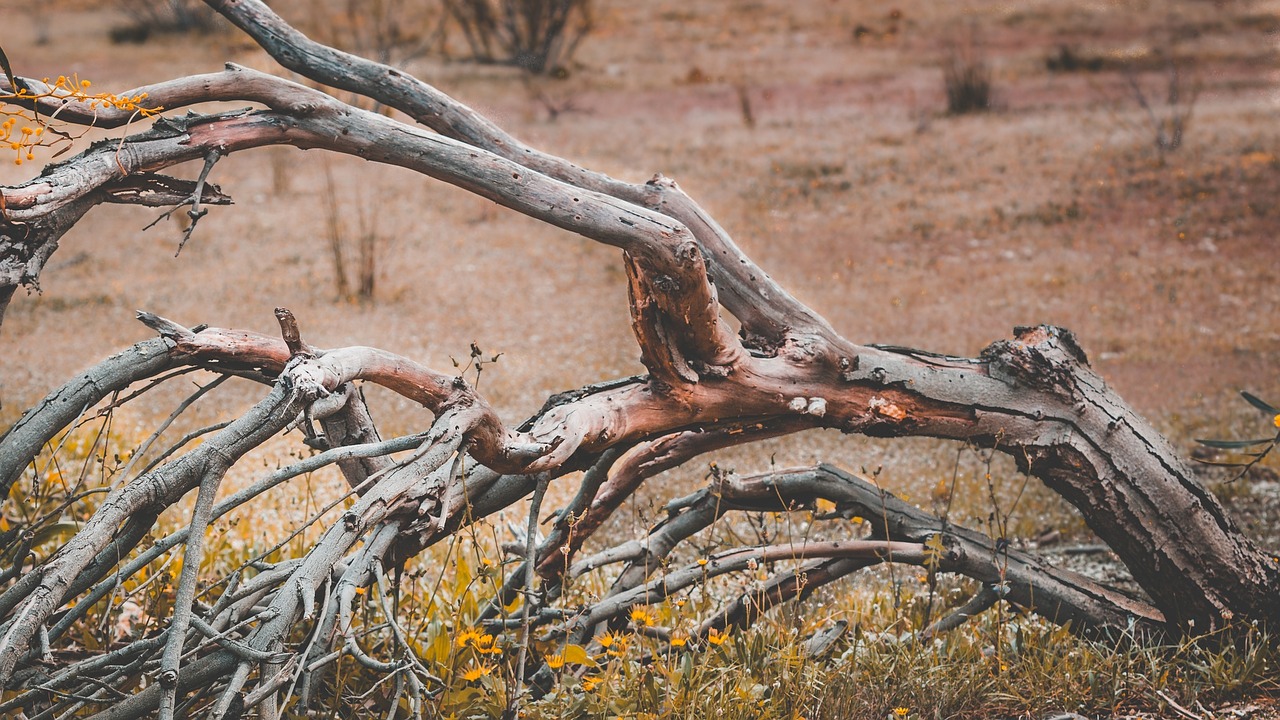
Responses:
[765,309]
[664,251]
[22,442]
[1032,398]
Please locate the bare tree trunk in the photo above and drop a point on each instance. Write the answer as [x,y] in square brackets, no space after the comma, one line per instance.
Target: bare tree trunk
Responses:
[1033,398]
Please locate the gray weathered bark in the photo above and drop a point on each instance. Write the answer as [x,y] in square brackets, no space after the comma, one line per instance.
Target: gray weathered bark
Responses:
[1033,397]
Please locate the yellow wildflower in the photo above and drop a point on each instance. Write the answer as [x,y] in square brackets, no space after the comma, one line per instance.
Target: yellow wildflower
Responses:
[717,637]
[481,642]
[901,711]
[641,616]
[590,683]
[555,662]
[477,672]
[679,641]
[615,644]
[467,637]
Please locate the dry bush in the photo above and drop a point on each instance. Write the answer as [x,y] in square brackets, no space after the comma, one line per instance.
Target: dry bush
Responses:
[967,78]
[1068,60]
[149,18]
[393,32]
[367,243]
[1167,104]
[538,36]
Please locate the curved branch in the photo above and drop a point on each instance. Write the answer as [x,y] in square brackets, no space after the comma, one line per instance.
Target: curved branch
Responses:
[867,552]
[673,273]
[228,350]
[161,488]
[167,95]
[1059,595]
[765,309]
[22,442]
[589,511]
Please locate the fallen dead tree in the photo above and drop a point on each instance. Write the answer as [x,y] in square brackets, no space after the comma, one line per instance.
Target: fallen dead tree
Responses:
[257,642]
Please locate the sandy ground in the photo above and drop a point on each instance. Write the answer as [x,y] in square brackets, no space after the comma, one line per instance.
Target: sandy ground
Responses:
[814,131]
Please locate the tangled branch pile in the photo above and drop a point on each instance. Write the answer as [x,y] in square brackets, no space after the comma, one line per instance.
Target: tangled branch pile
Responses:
[259,638]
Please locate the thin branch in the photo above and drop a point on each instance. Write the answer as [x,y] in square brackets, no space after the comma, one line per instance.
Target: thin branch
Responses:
[182,407]
[978,604]
[186,592]
[530,596]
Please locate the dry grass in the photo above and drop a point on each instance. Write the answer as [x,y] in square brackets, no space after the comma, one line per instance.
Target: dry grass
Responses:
[850,186]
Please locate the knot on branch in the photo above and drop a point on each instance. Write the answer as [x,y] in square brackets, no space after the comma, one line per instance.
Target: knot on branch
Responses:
[351,520]
[808,350]
[848,366]
[688,253]
[661,181]
[1042,357]
[306,377]
[1051,336]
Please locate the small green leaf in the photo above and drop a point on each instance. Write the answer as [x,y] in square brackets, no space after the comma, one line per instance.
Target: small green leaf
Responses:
[1222,463]
[1257,402]
[1233,444]
[8,70]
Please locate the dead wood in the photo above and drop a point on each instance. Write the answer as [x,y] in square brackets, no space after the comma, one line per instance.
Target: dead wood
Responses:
[1033,397]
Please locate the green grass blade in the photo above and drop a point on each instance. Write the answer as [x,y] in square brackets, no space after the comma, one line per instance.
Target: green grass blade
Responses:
[1257,402]
[1233,444]
[8,70]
